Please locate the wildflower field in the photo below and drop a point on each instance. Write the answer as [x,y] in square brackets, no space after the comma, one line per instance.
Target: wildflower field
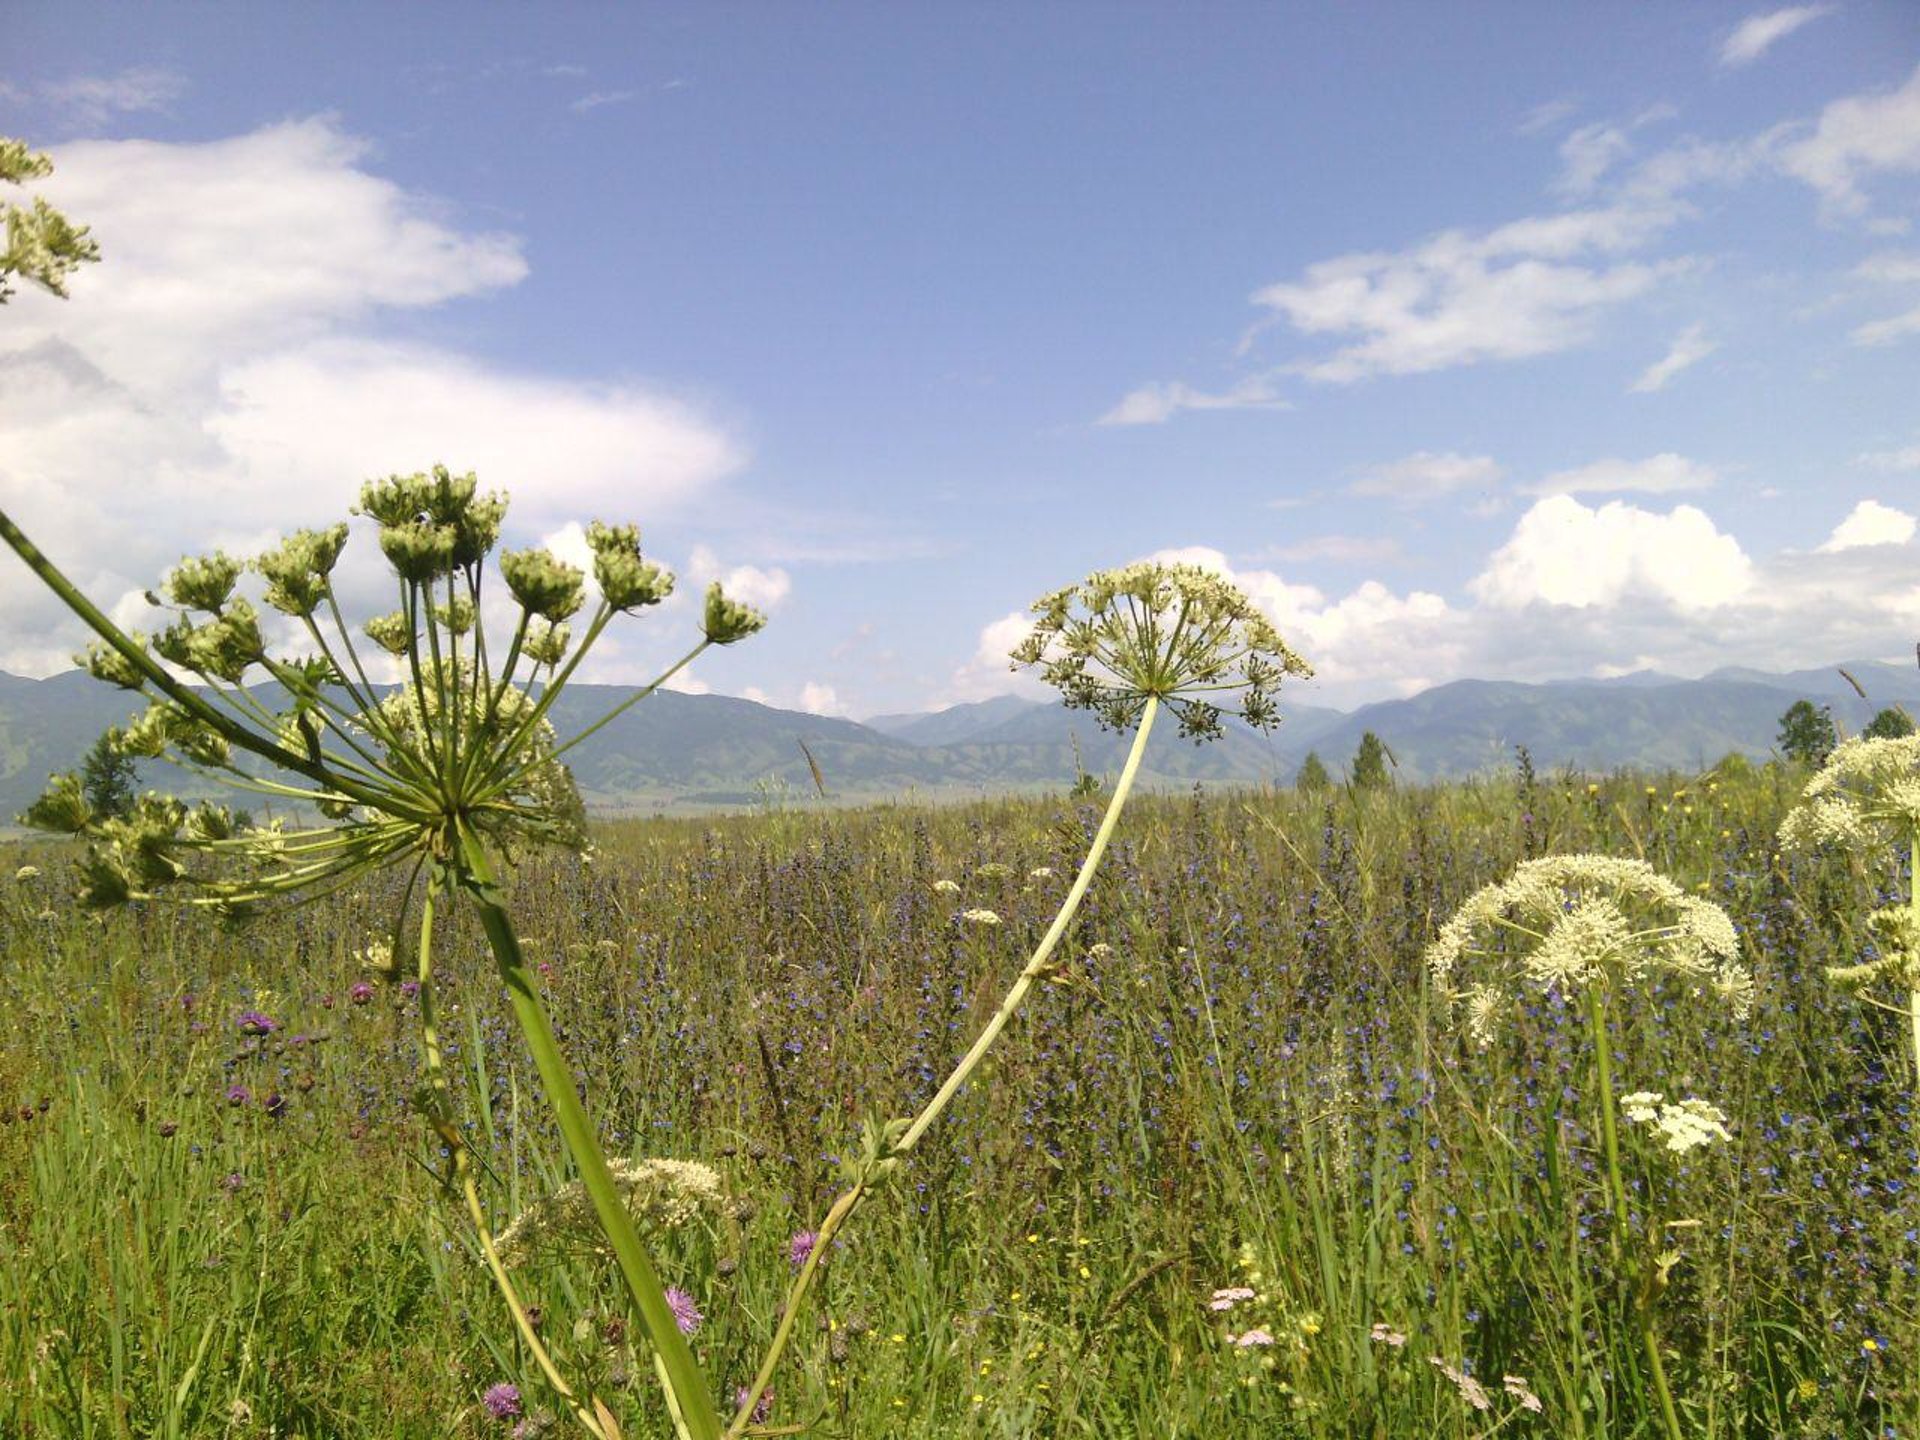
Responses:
[1234,1170]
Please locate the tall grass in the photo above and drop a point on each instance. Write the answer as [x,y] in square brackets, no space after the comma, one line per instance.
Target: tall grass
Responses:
[1252,1087]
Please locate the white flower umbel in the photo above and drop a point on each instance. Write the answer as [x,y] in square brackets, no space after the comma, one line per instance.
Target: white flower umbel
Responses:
[1684,1124]
[1588,926]
[1866,800]
[1569,922]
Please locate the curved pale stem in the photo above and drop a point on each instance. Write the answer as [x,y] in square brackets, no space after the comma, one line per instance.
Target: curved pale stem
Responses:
[844,1207]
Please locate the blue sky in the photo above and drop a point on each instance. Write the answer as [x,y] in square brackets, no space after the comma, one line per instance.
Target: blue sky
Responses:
[1497,340]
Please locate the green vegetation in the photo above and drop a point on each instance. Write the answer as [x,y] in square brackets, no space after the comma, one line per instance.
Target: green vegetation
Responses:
[1370,764]
[1806,734]
[1891,723]
[1241,1079]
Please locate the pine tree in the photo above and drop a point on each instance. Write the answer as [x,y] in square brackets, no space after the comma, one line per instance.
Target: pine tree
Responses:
[1312,775]
[106,779]
[1370,764]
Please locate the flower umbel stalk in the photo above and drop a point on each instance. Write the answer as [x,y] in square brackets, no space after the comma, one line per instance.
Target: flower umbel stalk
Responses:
[1123,644]
[452,770]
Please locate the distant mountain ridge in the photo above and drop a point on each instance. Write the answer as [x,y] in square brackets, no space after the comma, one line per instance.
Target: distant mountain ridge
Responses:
[689,752]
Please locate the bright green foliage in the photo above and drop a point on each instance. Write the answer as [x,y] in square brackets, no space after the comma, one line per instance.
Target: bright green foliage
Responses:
[1370,764]
[1366,1172]
[42,245]
[1892,723]
[1806,734]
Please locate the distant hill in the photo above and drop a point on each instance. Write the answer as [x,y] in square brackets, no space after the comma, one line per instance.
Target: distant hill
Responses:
[690,752]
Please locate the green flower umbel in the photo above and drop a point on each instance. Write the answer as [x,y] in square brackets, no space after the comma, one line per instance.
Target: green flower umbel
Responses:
[446,772]
[1176,634]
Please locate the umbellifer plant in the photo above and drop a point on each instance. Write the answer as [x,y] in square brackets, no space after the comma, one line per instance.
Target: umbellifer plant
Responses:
[453,766]
[1124,644]
[444,773]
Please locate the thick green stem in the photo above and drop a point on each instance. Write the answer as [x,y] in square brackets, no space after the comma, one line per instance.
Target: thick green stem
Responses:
[1622,1242]
[440,1118]
[690,1400]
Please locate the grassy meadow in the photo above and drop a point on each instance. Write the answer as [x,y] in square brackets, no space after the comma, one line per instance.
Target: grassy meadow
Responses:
[1240,1083]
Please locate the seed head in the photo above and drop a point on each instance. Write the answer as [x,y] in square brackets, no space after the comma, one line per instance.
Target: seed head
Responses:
[544,584]
[727,621]
[298,570]
[202,584]
[626,581]
[1176,633]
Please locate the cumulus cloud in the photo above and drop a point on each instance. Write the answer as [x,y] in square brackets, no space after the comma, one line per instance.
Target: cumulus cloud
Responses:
[1870,523]
[1461,298]
[1563,553]
[1689,348]
[763,589]
[1656,475]
[1854,138]
[221,374]
[1426,474]
[819,699]
[1579,590]
[1756,34]
[1157,403]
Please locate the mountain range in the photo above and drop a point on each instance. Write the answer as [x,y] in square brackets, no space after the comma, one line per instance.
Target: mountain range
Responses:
[686,753]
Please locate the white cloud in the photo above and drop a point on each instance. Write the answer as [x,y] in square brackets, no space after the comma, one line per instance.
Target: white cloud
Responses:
[1905,458]
[1562,553]
[1546,116]
[1887,331]
[763,589]
[1854,138]
[1156,403]
[214,378]
[1587,154]
[1752,37]
[819,699]
[1870,523]
[1890,267]
[91,99]
[1689,348]
[1459,299]
[1656,475]
[1584,591]
[597,99]
[1426,474]
[1367,640]
[988,671]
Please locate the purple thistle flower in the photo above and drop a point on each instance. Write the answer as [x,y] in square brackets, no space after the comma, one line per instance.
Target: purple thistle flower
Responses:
[763,1408]
[686,1314]
[409,988]
[361,992]
[238,1095]
[276,1105]
[502,1400]
[252,1022]
[801,1246]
